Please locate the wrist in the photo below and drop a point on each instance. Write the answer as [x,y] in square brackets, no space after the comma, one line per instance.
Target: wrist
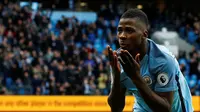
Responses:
[136,76]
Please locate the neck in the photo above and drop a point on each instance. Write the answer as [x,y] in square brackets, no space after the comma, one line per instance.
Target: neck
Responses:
[142,50]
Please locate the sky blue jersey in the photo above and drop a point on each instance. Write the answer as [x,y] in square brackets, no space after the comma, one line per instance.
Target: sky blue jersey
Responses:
[160,70]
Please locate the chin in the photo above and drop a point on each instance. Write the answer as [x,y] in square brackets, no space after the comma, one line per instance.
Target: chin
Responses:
[125,48]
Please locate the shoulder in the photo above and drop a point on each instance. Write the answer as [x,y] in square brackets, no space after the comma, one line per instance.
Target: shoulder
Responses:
[161,59]
[159,51]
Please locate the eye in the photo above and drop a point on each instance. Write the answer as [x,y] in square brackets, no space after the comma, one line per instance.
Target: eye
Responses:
[130,30]
[119,30]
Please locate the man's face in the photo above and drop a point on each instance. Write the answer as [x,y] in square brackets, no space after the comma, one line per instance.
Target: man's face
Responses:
[130,33]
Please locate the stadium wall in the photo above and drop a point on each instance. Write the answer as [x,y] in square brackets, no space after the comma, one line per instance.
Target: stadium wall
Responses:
[66,103]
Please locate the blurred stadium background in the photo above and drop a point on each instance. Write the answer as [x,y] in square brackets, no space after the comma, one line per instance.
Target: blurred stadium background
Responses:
[57,47]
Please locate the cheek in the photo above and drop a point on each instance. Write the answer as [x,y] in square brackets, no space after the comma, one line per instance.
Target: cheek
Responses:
[136,40]
[139,40]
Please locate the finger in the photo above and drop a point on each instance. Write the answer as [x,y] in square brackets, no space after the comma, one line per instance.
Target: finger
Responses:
[126,58]
[129,55]
[108,48]
[114,53]
[122,57]
[120,60]
[115,66]
[137,58]
[118,63]
[110,54]
[115,61]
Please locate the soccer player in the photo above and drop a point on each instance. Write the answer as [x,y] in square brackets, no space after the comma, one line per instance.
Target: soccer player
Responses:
[146,69]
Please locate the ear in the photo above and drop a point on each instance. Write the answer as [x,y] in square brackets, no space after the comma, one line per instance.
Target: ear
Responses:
[145,33]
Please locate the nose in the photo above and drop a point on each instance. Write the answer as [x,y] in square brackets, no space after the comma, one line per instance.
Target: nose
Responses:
[122,36]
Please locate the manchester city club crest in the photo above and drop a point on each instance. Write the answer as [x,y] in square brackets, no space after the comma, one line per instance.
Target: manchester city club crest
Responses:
[147,79]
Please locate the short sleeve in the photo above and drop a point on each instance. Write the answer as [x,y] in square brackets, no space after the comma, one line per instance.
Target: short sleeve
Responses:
[165,76]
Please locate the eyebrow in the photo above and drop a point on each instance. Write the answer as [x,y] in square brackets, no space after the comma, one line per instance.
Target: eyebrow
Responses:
[127,26]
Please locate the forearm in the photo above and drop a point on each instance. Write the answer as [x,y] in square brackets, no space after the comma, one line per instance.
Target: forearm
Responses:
[154,101]
[116,98]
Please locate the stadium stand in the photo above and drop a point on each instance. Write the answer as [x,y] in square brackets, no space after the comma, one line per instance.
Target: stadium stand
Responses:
[68,57]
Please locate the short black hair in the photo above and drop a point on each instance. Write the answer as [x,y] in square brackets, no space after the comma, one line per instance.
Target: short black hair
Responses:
[136,13]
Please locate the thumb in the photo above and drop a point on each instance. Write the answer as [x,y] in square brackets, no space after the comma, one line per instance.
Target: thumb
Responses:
[137,58]
[115,53]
